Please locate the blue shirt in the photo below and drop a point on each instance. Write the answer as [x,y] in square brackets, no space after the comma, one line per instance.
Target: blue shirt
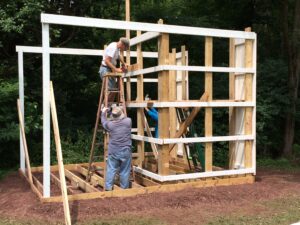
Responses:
[154,115]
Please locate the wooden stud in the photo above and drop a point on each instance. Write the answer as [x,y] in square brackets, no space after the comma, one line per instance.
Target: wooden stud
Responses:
[183,74]
[59,157]
[248,97]
[56,180]
[172,97]
[232,111]
[128,83]
[80,182]
[140,97]
[163,95]
[208,111]
[23,136]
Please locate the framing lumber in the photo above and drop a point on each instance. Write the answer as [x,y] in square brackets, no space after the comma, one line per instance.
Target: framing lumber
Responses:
[56,180]
[128,81]
[172,97]
[95,179]
[143,37]
[140,111]
[59,157]
[232,111]
[157,188]
[183,126]
[163,95]
[126,25]
[80,182]
[248,97]
[22,130]
[238,70]
[183,73]
[208,111]
[191,103]
[148,131]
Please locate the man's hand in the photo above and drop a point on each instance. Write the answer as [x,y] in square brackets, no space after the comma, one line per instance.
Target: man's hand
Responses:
[104,109]
[118,70]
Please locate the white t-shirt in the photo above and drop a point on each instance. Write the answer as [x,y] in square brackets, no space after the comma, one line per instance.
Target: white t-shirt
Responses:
[111,51]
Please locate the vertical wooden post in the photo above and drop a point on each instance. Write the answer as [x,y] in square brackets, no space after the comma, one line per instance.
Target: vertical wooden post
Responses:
[128,84]
[163,95]
[140,97]
[232,113]
[248,97]
[208,111]
[172,97]
[183,76]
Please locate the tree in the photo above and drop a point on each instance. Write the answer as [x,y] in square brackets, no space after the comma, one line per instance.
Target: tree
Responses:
[291,42]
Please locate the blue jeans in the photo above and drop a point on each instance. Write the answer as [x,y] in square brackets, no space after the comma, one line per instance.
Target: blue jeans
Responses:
[111,81]
[119,160]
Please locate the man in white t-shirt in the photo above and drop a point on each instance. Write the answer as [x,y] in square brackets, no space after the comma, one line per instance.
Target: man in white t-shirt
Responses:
[110,56]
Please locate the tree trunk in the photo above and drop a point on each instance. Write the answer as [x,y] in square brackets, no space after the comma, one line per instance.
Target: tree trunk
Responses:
[291,41]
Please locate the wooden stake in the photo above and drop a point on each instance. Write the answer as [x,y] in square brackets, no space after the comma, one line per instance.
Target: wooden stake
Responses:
[163,95]
[208,111]
[59,157]
[24,142]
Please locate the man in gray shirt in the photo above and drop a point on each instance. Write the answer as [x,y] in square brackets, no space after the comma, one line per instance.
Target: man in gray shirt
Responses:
[119,147]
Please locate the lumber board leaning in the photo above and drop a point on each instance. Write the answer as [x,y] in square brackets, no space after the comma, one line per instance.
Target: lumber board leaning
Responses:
[59,157]
[24,141]
[183,126]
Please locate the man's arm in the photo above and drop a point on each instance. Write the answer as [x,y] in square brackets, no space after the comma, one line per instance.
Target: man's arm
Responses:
[104,120]
[110,65]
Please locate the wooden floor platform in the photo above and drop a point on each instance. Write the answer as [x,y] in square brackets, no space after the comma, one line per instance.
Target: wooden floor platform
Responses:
[79,189]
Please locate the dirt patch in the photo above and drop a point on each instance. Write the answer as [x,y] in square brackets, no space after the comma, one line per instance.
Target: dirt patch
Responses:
[189,206]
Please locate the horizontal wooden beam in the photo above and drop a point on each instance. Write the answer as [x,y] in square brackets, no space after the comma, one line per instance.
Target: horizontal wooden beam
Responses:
[157,188]
[211,69]
[193,175]
[190,103]
[76,51]
[162,141]
[144,37]
[126,25]
[95,179]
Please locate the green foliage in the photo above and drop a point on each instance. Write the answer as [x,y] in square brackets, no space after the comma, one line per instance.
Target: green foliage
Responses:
[76,79]
[277,164]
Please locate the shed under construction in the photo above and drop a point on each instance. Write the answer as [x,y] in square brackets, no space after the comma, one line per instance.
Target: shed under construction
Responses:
[167,163]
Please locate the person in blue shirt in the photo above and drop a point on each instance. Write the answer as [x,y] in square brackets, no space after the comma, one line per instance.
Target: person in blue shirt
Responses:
[152,112]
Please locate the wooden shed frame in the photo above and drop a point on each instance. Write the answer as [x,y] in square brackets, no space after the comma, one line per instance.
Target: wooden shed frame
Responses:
[241,102]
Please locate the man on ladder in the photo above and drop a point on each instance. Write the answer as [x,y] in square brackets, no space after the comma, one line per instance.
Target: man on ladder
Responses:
[118,126]
[109,62]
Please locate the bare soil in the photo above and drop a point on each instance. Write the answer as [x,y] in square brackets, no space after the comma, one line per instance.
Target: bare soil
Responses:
[189,206]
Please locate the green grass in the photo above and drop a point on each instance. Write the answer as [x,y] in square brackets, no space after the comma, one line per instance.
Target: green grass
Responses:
[116,221]
[278,164]
[125,221]
[279,212]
